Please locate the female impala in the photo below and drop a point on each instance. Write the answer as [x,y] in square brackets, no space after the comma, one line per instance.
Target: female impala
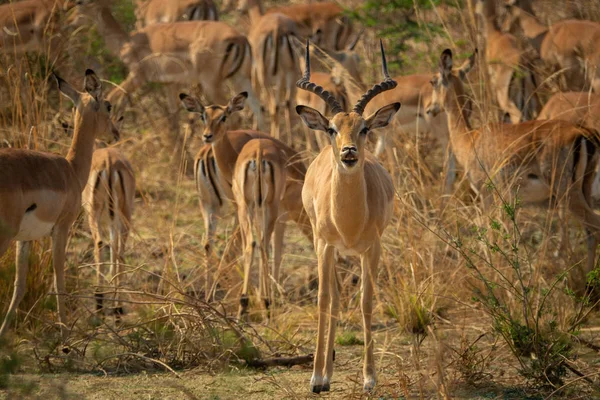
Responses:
[226,146]
[40,193]
[348,197]
[544,160]
[108,199]
[258,188]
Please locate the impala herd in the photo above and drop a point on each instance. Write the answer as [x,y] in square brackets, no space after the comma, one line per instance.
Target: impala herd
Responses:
[345,199]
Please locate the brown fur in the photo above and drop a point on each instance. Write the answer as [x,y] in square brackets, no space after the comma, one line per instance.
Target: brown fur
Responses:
[259,185]
[44,190]
[108,200]
[545,161]
[150,12]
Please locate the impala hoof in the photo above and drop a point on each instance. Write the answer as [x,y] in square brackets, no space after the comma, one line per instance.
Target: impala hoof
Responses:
[316,384]
[369,385]
[326,387]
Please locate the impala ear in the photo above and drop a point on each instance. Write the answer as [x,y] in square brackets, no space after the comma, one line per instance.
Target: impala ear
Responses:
[382,117]
[191,103]
[237,103]
[67,90]
[467,66]
[313,118]
[92,85]
[446,63]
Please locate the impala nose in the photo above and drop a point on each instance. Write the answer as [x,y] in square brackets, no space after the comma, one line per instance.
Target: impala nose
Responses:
[349,149]
[208,137]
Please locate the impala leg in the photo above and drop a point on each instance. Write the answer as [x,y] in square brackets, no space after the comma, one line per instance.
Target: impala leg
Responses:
[325,260]
[209,229]
[94,223]
[59,245]
[23,249]
[264,285]
[333,318]
[565,245]
[369,262]
[243,84]
[277,255]
[249,247]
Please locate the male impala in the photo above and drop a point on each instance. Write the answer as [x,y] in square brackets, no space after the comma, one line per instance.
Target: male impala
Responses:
[40,193]
[108,199]
[226,146]
[348,197]
[259,181]
[540,160]
[275,64]
[512,81]
[571,45]
[181,53]
[148,12]
[333,84]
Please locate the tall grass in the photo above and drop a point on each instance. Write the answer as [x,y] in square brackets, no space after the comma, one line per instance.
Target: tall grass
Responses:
[457,299]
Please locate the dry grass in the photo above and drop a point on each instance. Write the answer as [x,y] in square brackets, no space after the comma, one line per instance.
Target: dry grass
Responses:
[432,339]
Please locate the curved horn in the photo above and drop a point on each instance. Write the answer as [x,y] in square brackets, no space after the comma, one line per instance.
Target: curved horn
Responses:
[306,84]
[387,84]
[352,45]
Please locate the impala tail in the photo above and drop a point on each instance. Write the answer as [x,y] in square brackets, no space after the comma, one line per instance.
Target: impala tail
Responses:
[237,51]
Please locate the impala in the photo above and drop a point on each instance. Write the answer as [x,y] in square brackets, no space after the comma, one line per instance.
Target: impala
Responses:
[108,200]
[148,12]
[226,146]
[259,181]
[333,84]
[24,25]
[324,21]
[581,108]
[349,198]
[512,81]
[414,93]
[40,193]
[543,161]
[275,63]
[181,53]
[570,45]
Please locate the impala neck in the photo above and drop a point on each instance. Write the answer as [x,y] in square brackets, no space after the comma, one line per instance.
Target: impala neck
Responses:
[114,35]
[82,148]
[255,10]
[462,135]
[533,29]
[226,156]
[349,209]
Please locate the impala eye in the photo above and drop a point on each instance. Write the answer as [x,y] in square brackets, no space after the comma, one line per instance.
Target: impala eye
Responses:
[331,131]
[108,106]
[364,131]
[223,119]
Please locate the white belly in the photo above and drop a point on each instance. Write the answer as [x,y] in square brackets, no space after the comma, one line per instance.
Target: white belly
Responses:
[33,228]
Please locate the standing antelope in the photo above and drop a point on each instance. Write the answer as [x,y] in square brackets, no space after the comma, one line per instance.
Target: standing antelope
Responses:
[180,53]
[332,84]
[213,196]
[541,160]
[226,146]
[108,199]
[571,45]
[348,197]
[259,181]
[40,193]
[24,25]
[148,12]
[512,81]
[324,21]
[275,63]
